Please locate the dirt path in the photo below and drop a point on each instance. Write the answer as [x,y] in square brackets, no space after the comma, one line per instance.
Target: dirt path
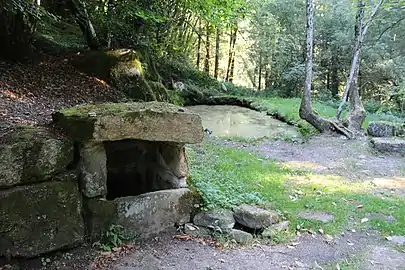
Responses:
[308,253]
[352,160]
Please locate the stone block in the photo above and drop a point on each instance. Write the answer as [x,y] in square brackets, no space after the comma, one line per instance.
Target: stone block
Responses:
[253,217]
[40,218]
[149,121]
[219,220]
[32,155]
[144,215]
[93,169]
[389,145]
[385,129]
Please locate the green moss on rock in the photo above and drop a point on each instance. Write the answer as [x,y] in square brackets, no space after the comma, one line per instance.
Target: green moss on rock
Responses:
[132,72]
[32,155]
[152,121]
[40,218]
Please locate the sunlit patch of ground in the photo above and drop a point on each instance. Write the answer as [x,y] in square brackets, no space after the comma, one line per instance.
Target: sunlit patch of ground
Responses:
[303,165]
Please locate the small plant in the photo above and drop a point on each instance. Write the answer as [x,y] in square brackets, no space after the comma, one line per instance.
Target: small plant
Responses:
[113,238]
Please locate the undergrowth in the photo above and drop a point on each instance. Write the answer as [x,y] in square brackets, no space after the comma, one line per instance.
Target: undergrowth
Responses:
[227,177]
[287,110]
[113,238]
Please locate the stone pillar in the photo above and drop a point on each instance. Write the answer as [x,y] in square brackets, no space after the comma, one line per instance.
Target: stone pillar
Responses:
[93,169]
[176,159]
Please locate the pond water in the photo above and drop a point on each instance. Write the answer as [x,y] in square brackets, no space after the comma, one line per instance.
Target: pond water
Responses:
[234,121]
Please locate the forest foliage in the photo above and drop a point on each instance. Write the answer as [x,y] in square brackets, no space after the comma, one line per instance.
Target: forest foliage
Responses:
[257,44]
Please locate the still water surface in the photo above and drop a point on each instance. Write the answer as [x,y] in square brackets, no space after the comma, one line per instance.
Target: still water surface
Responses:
[234,121]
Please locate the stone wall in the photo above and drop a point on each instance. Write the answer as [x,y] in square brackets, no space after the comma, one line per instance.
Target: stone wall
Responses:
[54,189]
[40,204]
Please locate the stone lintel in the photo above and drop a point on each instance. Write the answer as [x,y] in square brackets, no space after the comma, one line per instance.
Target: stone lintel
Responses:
[149,121]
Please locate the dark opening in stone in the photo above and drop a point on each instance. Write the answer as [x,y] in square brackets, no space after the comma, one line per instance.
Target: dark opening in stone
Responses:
[135,167]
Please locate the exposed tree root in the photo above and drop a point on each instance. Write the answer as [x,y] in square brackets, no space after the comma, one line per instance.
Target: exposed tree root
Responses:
[339,127]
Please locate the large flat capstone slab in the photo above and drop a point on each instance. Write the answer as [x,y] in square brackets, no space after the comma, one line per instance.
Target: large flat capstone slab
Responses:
[149,121]
[144,215]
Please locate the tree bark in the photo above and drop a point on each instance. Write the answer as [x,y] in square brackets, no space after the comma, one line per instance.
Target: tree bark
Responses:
[199,45]
[78,8]
[217,43]
[305,111]
[260,72]
[334,76]
[231,60]
[207,49]
[357,112]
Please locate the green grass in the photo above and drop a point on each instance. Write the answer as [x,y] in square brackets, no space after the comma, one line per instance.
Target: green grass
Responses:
[227,177]
[288,110]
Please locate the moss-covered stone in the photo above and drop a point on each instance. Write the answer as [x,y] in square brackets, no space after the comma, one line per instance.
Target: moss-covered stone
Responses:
[93,169]
[150,121]
[31,155]
[40,218]
[144,215]
[385,129]
[100,214]
[132,72]
[159,90]
[391,145]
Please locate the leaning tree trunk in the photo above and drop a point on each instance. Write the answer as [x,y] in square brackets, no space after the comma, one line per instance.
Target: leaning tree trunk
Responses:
[78,8]
[306,113]
[357,113]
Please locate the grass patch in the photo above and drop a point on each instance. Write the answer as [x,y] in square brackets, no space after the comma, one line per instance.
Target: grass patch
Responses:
[227,177]
[288,111]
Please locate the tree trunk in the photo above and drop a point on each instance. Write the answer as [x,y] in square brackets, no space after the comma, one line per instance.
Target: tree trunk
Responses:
[217,43]
[199,45]
[306,112]
[260,72]
[334,76]
[207,50]
[231,60]
[78,8]
[357,112]
[16,31]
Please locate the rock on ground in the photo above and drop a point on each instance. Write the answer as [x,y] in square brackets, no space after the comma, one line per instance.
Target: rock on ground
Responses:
[389,145]
[381,129]
[397,239]
[194,230]
[215,219]
[241,237]
[275,228]
[253,217]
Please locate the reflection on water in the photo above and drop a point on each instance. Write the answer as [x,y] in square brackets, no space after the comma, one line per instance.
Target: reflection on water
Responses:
[234,121]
